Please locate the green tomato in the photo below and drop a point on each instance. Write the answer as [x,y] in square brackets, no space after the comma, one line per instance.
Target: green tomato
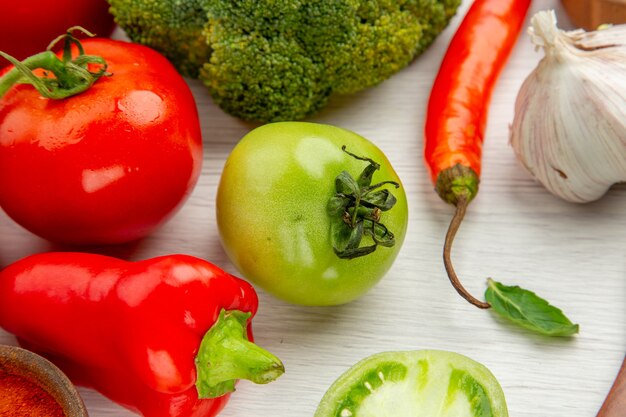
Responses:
[274,204]
[415,383]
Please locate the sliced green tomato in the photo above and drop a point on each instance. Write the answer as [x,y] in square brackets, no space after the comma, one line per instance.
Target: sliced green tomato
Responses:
[423,383]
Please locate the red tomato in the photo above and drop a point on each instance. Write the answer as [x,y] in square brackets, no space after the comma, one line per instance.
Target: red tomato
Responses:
[28,26]
[107,165]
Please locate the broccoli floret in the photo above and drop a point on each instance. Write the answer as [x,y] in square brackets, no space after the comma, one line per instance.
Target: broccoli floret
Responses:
[269,60]
[172,27]
[263,78]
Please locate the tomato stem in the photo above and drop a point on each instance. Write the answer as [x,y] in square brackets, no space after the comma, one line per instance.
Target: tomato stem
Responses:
[355,211]
[12,77]
[72,75]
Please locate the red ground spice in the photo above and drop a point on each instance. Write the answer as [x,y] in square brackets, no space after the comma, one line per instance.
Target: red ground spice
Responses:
[20,397]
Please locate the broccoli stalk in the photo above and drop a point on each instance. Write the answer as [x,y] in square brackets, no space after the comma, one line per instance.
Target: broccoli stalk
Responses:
[268,60]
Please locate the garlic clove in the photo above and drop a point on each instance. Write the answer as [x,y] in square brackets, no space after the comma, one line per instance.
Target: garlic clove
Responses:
[569,128]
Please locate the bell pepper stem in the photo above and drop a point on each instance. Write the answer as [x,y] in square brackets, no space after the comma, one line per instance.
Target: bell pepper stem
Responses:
[226,355]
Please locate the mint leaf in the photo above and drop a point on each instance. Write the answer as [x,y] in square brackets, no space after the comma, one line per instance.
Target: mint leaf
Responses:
[528,310]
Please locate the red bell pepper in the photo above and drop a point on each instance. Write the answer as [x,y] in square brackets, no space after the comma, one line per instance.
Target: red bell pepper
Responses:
[167,336]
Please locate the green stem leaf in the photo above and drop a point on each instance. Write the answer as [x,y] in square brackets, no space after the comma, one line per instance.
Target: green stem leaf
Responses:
[355,211]
[226,355]
[456,183]
[528,310]
[71,75]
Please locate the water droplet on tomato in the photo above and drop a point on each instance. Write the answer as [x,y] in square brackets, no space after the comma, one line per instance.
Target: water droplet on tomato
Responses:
[141,107]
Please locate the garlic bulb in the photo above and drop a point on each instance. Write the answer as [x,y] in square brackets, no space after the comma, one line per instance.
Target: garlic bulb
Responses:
[569,128]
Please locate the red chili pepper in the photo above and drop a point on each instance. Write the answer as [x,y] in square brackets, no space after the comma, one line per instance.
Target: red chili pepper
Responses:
[458,104]
[167,336]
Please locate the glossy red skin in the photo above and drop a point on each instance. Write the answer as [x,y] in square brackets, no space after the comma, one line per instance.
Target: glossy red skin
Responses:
[459,99]
[99,318]
[105,166]
[28,26]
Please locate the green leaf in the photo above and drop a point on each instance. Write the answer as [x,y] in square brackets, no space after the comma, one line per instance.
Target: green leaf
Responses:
[528,310]
[379,233]
[340,233]
[355,236]
[344,236]
[337,206]
[345,184]
[382,199]
[355,252]
[365,179]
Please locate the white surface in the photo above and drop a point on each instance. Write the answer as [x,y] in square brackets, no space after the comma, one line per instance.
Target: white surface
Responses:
[515,232]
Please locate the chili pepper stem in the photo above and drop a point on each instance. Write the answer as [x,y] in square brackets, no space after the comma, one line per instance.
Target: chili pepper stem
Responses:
[226,355]
[459,214]
[457,185]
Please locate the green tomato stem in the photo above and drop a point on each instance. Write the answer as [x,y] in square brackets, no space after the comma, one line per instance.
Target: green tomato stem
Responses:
[355,205]
[226,355]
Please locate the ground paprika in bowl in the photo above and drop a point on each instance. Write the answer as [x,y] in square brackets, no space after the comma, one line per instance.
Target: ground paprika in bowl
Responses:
[31,386]
[164,337]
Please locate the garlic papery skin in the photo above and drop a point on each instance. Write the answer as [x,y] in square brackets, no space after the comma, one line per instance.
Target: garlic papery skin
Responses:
[569,128]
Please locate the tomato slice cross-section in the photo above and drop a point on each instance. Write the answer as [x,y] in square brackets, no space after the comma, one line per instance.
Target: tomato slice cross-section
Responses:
[421,383]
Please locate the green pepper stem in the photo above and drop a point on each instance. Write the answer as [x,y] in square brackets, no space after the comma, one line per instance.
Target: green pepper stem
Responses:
[226,355]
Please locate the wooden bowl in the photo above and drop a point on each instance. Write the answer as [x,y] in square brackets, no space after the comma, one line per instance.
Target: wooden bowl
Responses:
[38,370]
[589,14]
